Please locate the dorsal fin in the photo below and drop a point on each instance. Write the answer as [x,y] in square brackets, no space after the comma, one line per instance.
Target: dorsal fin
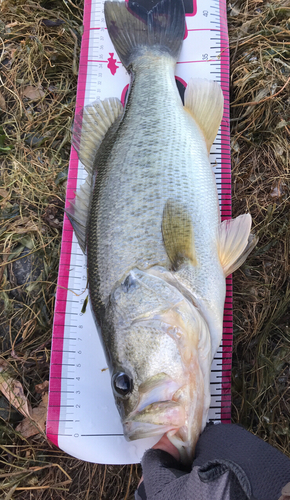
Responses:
[78,210]
[204,100]
[235,242]
[177,231]
[90,128]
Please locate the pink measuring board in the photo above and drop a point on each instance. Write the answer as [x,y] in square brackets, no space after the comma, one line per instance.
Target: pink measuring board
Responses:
[82,418]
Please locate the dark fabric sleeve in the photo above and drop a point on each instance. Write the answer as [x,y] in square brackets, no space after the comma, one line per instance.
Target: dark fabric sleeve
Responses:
[230,464]
[164,479]
[140,493]
[267,469]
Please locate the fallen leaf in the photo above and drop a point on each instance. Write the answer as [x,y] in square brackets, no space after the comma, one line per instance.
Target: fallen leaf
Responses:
[33,93]
[34,140]
[278,191]
[234,11]
[53,215]
[34,424]
[49,23]
[39,388]
[23,225]
[12,52]
[3,364]
[282,124]
[13,391]
[2,103]
[4,193]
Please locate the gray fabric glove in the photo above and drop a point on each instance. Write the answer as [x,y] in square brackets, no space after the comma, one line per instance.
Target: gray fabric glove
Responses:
[230,464]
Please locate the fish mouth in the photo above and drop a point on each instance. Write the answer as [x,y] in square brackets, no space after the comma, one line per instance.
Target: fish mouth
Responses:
[157,411]
[154,419]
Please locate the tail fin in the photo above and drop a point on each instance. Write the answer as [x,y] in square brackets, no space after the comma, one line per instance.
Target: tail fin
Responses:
[134,30]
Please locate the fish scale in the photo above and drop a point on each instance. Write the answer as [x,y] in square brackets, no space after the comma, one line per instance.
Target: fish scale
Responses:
[148,180]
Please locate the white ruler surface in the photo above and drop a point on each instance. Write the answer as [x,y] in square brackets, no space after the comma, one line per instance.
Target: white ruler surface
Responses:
[82,418]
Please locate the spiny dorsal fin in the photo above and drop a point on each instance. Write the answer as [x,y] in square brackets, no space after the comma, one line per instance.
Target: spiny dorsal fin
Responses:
[91,126]
[177,231]
[78,210]
[204,100]
[235,242]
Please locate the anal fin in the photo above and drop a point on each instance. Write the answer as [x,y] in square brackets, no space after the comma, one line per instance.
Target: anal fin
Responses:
[235,242]
[177,232]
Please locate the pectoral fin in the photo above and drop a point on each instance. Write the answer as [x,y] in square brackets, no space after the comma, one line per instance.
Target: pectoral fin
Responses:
[235,242]
[177,231]
[204,100]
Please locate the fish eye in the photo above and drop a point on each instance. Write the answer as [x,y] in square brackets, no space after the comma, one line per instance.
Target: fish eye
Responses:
[122,384]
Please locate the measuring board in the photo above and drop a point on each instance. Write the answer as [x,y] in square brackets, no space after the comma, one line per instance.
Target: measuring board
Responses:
[82,418]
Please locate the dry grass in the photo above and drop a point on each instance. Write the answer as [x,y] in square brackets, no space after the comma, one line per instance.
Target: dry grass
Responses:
[34,155]
[260,112]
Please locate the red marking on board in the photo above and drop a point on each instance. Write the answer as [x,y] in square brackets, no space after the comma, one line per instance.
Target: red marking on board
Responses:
[194,9]
[203,29]
[112,64]
[54,404]
[99,61]
[226,213]
[189,14]
[181,81]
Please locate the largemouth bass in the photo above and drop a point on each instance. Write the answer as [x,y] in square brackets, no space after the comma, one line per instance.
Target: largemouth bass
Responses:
[148,218]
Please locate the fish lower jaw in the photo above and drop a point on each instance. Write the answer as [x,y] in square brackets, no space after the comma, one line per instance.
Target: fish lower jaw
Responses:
[185,437]
[133,430]
[171,418]
[155,419]
[186,447]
